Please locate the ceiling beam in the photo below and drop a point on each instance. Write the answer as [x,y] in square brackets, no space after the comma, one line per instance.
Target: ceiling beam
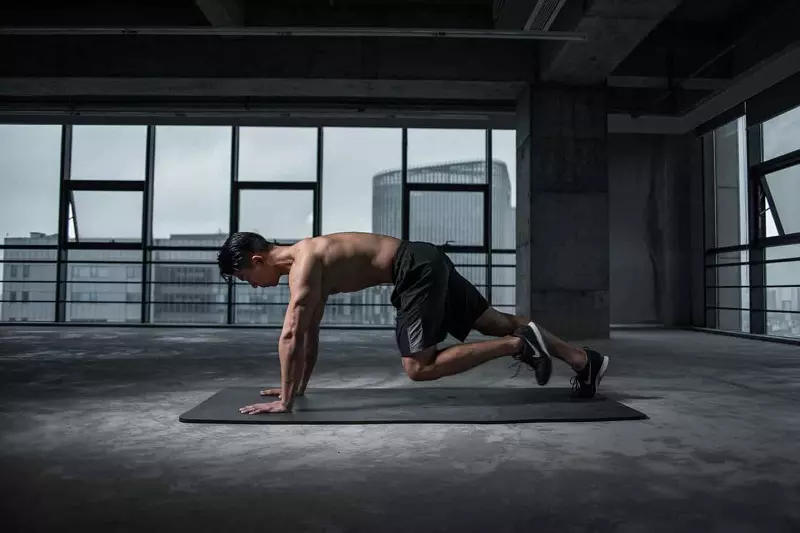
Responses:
[528,15]
[222,13]
[613,29]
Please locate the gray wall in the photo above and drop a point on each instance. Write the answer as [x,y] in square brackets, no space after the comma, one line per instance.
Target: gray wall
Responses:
[655,188]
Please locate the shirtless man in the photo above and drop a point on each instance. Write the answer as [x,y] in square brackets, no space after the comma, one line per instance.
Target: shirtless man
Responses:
[432,299]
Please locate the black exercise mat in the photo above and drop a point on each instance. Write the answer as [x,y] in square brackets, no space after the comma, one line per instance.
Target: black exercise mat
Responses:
[414,405]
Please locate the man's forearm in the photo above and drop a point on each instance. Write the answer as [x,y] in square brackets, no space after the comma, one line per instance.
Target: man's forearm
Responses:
[310,360]
[291,354]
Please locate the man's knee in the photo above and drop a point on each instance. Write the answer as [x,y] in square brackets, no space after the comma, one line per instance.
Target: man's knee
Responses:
[421,367]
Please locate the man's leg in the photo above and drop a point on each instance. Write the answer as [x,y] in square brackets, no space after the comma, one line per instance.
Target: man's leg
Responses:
[495,323]
[589,366]
[431,364]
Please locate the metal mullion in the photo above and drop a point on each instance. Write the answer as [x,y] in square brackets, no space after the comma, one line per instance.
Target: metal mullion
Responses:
[28,246]
[756,226]
[147,220]
[405,204]
[106,185]
[233,214]
[448,187]
[276,185]
[63,224]
[317,226]
[775,214]
[778,163]
[487,215]
[104,245]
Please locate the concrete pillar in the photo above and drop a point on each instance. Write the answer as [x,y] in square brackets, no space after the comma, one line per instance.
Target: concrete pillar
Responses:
[562,210]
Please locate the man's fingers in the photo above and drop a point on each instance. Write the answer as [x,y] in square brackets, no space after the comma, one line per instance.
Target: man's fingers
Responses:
[271,392]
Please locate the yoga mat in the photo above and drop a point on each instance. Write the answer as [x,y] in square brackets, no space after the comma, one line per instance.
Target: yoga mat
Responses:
[439,405]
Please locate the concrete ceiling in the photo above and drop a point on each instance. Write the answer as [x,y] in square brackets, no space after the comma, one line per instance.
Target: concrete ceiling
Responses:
[658,57]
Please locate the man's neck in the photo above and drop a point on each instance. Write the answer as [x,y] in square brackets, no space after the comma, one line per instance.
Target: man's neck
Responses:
[281,257]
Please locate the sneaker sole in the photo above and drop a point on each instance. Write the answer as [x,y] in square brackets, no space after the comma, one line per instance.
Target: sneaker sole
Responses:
[539,339]
[601,372]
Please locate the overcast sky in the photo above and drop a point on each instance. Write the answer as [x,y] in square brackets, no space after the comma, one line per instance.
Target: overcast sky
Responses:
[192,176]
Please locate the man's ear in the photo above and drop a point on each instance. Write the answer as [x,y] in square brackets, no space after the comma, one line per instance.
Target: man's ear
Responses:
[256,259]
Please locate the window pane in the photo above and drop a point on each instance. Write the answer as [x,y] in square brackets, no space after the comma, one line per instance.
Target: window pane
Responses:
[350,201]
[192,183]
[730,190]
[727,286]
[283,216]
[104,286]
[439,217]
[106,216]
[472,267]
[30,162]
[387,203]
[785,297]
[727,320]
[29,298]
[108,152]
[446,156]
[261,306]
[781,134]
[784,186]
[278,154]
[371,306]
[504,187]
[783,324]
[504,292]
[188,294]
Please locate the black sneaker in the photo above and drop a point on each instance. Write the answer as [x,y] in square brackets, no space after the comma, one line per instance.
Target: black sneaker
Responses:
[534,353]
[585,382]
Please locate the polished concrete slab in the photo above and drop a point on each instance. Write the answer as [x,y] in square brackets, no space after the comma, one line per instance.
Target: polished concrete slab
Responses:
[90,438]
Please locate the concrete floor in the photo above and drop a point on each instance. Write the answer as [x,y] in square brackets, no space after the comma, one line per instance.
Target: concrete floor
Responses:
[91,439]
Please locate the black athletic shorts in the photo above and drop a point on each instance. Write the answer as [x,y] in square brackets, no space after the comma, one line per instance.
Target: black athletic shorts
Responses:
[432,299]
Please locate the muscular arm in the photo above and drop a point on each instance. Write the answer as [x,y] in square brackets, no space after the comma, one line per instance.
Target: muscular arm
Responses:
[305,286]
[311,346]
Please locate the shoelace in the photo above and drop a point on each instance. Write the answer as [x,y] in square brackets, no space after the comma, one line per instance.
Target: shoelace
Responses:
[518,363]
[576,383]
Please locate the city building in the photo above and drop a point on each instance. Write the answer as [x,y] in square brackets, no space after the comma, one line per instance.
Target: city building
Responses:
[185,286]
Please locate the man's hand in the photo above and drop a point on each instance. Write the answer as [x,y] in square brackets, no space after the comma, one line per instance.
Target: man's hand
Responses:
[272,407]
[277,392]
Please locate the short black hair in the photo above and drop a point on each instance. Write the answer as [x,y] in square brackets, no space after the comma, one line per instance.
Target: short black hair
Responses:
[237,250]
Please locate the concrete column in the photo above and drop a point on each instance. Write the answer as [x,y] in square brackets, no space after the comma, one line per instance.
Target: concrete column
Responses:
[562,210]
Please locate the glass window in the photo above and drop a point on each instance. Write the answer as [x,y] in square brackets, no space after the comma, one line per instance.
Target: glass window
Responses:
[263,305]
[781,134]
[783,290]
[504,188]
[446,156]
[730,180]
[189,293]
[30,298]
[283,216]
[356,195]
[446,217]
[106,216]
[108,152]
[278,154]
[784,189]
[504,282]
[30,166]
[98,286]
[191,197]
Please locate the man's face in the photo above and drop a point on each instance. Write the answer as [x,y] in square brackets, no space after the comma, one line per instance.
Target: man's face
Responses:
[259,273]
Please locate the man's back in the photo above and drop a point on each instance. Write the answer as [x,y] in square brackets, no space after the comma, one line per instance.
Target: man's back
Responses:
[350,261]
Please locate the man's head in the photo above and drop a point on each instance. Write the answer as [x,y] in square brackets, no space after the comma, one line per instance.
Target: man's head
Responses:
[246,256]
